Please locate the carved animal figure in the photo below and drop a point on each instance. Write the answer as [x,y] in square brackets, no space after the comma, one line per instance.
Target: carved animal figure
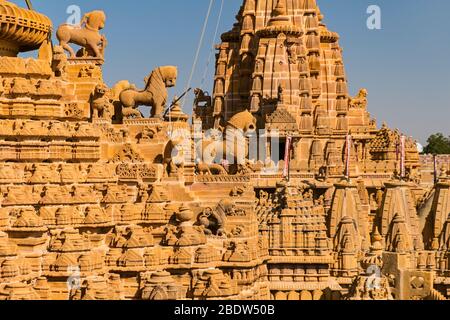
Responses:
[213,222]
[360,101]
[155,93]
[121,86]
[59,61]
[130,113]
[234,147]
[86,35]
[101,103]
[174,156]
[210,169]
[119,111]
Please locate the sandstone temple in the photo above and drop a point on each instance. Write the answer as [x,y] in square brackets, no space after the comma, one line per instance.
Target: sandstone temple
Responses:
[279,186]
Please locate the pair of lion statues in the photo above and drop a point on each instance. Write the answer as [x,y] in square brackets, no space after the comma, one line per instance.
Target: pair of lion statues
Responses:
[87,35]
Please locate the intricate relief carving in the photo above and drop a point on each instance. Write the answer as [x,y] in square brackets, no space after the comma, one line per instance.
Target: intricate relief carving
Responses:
[128,154]
[213,222]
[149,133]
[127,171]
[21,87]
[73,110]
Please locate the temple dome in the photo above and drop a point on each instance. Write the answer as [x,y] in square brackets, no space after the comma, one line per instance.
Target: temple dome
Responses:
[21,30]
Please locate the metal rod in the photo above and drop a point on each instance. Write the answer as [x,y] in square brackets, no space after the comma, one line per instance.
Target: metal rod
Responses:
[29,4]
[348,152]
[403,156]
[435,169]
[176,101]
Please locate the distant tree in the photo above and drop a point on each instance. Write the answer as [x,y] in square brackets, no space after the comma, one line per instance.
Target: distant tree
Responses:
[437,144]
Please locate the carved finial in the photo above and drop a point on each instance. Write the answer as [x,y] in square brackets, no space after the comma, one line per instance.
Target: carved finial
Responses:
[376,241]
[280,93]
[280,9]
[319,15]
[435,244]
[279,15]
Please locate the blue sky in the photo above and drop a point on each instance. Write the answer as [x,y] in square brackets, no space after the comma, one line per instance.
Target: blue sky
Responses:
[405,65]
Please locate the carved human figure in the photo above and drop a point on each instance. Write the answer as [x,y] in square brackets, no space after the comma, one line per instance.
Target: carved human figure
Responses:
[43,173]
[143,193]
[8,171]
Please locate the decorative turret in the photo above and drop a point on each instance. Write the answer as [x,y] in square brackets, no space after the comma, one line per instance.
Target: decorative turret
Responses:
[398,208]
[176,114]
[347,204]
[22,30]
[346,246]
[372,285]
[437,215]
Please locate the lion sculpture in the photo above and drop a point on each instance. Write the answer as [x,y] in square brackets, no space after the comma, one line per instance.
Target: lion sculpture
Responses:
[119,110]
[101,103]
[234,147]
[155,93]
[360,101]
[86,35]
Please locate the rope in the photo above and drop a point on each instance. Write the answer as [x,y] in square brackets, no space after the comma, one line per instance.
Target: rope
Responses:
[200,44]
[211,53]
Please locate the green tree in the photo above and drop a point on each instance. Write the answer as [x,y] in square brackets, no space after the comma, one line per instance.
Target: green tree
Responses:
[437,144]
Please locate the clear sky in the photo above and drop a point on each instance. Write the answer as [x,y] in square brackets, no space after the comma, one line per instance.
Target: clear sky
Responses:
[405,65]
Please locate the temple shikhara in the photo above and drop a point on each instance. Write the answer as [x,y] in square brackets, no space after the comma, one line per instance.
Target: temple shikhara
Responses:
[280,185]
